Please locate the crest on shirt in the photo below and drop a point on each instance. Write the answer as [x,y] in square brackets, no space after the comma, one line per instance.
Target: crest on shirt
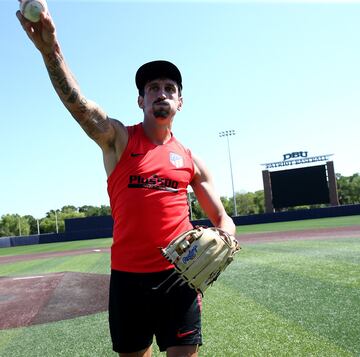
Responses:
[177,160]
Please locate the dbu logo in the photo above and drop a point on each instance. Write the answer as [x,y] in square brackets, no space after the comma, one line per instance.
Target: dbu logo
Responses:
[295,155]
[191,255]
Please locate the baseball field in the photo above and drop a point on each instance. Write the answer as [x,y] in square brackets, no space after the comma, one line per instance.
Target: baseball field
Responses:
[294,290]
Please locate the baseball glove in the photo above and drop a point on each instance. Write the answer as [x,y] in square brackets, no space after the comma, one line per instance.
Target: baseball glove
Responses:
[200,255]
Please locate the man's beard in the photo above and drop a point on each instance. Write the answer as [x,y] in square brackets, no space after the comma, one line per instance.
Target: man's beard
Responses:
[161,113]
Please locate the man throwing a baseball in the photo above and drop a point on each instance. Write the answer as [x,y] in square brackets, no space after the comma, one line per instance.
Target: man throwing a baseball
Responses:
[148,174]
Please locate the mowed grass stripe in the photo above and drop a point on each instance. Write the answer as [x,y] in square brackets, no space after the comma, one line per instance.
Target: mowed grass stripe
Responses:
[348,247]
[329,261]
[235,325]
[56,247]
[324,308]
[86,263]
[82,337]
[300,225]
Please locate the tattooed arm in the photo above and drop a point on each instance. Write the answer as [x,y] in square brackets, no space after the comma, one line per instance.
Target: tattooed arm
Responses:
[109,134]
[91,118]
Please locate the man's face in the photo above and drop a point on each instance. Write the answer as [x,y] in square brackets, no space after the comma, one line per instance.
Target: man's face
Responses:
[161,99]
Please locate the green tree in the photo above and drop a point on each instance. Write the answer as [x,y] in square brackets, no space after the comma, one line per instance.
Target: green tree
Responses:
[32,224]
[91,211]
[14,225]
[55,219]
[196,211]
[51,223]
[104,210]
[259,201]
[245,203]
[69,209]
[348,189]
[228,205]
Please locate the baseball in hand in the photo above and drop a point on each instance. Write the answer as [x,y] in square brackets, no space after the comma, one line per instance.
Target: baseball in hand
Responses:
[31,9]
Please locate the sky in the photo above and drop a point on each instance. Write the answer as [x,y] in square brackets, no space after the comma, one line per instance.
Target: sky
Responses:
[284,75]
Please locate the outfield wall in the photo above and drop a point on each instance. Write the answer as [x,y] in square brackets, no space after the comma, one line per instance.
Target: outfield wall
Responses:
[101,226]
[33,239]
[297,215]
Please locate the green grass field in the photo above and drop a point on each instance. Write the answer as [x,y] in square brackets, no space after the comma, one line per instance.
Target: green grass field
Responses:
[299,225]
[291,298]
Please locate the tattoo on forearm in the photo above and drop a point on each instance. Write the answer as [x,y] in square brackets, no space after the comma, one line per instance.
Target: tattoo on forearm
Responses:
[91,119]
[83,105]
[59,79]
[73,96]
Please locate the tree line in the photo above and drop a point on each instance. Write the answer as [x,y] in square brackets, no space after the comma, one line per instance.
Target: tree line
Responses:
[246,204]
[54,220]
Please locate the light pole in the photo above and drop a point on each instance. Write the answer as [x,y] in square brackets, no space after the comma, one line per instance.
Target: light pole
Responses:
[38,226]
[228,133]
[56,222]
[190,205]
[19,225]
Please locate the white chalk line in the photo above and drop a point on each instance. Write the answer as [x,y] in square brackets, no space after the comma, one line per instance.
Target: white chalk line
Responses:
[29,277]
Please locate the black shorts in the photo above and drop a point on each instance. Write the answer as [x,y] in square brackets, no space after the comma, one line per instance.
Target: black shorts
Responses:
[137,312]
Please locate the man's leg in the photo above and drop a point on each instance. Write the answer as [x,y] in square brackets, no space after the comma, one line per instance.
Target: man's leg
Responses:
[182,351]
[130,316]
[143,353]
[179,322]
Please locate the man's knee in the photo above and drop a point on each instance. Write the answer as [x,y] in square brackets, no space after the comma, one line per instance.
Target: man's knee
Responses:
[183,351]
[142,353]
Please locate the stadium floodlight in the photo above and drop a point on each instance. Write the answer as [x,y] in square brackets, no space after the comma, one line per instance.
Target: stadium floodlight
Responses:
[228,133]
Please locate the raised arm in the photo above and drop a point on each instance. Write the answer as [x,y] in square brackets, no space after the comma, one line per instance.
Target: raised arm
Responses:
[109,134]
[210,202]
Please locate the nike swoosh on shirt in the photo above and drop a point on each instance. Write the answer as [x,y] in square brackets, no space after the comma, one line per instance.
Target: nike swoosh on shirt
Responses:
[184,334]
[136,154]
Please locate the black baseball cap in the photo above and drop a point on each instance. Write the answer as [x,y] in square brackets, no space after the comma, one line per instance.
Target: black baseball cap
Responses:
[157,69]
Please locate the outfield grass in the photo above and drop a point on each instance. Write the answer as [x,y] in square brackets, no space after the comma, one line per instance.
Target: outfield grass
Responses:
[300,225]
[294,298]
[56,247]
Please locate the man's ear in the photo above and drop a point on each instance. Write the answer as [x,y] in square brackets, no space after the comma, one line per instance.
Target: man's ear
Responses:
[141,102]
[180,103]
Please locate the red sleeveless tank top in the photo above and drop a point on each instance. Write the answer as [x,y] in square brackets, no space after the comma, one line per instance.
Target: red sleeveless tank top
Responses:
[148,198]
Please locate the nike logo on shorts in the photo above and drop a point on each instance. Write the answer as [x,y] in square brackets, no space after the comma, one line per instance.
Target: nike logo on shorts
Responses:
[184,334]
